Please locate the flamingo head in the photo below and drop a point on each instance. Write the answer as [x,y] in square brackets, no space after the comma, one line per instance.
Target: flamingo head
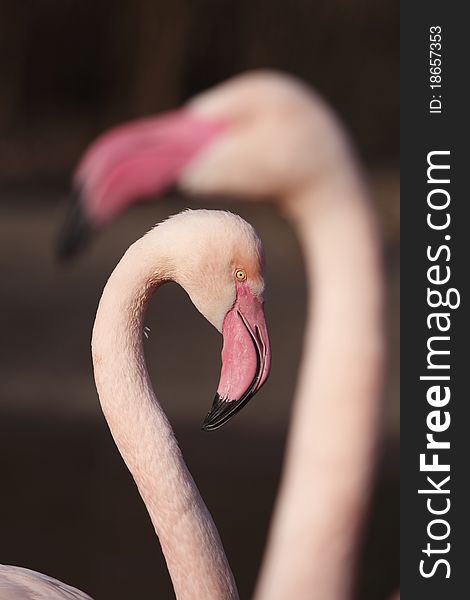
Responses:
[217,258]
[249,137]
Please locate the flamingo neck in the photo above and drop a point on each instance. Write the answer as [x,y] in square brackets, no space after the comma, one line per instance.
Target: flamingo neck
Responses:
[332,439]
[189,539]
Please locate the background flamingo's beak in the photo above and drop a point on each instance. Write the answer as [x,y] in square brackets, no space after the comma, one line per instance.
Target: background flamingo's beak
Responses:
[131,162]
[76,230]
[246,358]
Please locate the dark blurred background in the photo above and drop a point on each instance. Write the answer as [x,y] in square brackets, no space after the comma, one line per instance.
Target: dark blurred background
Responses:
[68,70]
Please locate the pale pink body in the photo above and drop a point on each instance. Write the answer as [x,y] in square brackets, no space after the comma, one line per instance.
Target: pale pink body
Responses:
[203,251]
[187,534]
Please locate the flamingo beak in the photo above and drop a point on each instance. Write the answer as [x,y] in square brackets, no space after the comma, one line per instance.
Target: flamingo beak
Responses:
[130,162]
[246,358]
[77,228]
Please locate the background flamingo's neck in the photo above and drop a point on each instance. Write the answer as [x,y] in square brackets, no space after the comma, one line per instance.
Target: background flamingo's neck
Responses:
[330,454]
[188,536]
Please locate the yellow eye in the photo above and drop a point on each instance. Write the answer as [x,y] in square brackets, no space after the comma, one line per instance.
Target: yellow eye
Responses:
[240,275]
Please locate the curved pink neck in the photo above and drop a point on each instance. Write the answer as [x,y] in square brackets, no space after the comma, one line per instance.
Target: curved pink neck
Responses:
[330,456]
[189,539]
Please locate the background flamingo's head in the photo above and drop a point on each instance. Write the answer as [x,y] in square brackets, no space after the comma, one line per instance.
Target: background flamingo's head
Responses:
[278,137]
[217,258]
[259,134]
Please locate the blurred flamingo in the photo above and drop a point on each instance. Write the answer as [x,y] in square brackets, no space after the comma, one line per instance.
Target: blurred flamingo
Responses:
[264,136]
[217,258]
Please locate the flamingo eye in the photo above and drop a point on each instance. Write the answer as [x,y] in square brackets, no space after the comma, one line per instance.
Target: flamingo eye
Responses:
[240,275]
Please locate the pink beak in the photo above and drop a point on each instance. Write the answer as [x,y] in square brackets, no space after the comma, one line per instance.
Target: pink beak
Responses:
[246,358]
[128,163]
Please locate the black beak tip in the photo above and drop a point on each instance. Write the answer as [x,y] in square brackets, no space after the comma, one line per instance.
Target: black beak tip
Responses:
[76,230]
[210,422]
[223,410]
[206,427]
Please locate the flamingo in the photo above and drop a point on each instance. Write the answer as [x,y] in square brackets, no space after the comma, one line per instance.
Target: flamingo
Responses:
[217,258]
[265,135]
